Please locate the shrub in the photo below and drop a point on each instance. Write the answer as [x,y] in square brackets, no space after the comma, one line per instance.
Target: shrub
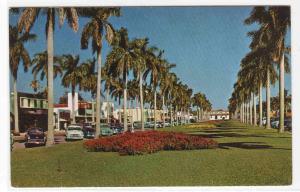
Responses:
[146,142]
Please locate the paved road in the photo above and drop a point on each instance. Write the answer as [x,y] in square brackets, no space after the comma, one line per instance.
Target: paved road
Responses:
[57,139]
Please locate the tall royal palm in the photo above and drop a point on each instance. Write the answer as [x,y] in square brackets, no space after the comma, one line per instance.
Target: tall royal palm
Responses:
[141,58]
[72,77]
[153,67]
[94,30]
[26,21]
[120,60]
[165,85]
[275,22]
[18,54]
[88,82]
[281,23]
[108,79]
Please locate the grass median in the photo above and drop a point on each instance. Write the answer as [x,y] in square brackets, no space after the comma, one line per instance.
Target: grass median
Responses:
[246,156]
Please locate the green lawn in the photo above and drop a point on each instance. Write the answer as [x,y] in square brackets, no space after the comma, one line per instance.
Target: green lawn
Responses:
[246,156]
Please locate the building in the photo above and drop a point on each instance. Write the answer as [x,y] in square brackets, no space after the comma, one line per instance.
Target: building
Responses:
[134,114]
[218,115]
[85,111]
[33,110]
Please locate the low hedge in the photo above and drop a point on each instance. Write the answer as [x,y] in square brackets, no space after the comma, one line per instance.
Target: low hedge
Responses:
[146,142]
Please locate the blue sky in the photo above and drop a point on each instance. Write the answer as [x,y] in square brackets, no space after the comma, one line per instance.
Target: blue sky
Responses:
[206,43]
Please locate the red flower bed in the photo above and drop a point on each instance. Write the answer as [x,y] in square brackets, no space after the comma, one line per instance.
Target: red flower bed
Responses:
[149,142]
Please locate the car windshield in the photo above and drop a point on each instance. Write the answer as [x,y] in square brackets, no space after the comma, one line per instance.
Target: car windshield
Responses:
[74,128]
[35,130]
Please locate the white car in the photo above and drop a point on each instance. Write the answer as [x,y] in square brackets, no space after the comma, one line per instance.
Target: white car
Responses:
[74,132]
[275,124]
[167,124]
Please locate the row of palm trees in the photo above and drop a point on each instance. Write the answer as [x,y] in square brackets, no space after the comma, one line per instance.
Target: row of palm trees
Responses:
[258,68]
[130,63]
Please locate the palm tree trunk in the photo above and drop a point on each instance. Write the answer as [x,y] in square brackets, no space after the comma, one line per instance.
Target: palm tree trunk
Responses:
[93,111]
[16,110]
[250,109]
[125,105]
[281,96]
[120,115]
[136,107]
[142,101]
[98,95]
[155,109]
[198,114]
[260,105]
[50,134]
[163,108]
[254,110]
[171,114]
[176,115]
[131,113]
[241,111]
[247,112]
[188,117]
[268,100]
[73,105]
[107,105]
[85,117]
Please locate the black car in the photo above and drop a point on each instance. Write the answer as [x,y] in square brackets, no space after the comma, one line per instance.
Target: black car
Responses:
[35,137]
[116,128]
[288,125]
[88,132]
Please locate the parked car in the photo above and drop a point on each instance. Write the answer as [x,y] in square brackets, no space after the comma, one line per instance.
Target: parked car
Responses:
[137,124]
[117,130]
[288,125]
[167,124]
[34,137]
[148,124]
[106,130]
[264,121]
[74,132]
[88,132]
[275,123]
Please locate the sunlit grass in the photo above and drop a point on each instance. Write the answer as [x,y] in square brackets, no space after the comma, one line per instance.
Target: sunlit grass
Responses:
[246,156]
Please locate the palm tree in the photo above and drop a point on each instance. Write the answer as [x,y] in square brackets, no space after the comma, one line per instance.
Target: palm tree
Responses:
[119,61]
[94,30]
[18,54]
[165,84]
[26,21]
[88,79]
[72,77]
[153,67]
[274,22]
[108,79]
[142,56]
[40,65]
[133,92]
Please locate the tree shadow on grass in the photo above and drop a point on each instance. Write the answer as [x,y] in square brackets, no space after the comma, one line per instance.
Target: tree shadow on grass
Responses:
[248,145]
[222,134]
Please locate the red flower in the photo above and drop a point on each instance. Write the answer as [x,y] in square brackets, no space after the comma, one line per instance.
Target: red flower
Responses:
[149,142]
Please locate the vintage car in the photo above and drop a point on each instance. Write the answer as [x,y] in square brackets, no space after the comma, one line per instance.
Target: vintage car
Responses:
[35,136]
[106,130]
[88,132]
[74,132]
